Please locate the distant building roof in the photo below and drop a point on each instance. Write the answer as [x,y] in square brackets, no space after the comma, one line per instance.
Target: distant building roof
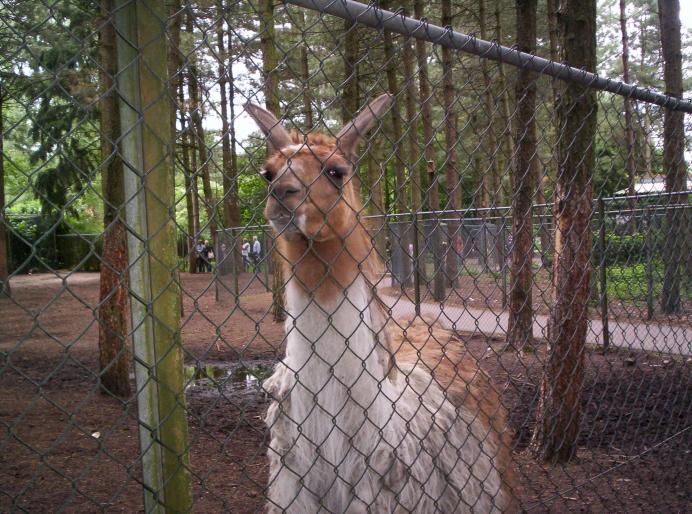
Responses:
[647,185]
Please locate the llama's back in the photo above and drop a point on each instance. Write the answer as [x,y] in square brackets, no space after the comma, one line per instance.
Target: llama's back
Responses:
[477,441]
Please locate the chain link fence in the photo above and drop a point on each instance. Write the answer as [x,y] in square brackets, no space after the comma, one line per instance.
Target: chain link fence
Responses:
[458,280]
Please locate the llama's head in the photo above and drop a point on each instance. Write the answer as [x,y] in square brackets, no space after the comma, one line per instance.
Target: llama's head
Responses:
[312,194]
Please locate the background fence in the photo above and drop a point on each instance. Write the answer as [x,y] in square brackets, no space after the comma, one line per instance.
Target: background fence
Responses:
[140,386]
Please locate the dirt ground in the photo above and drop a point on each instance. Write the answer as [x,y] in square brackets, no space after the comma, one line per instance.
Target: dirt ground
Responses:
[67,448]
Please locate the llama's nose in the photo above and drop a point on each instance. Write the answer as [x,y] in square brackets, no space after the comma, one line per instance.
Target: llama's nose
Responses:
[283,191]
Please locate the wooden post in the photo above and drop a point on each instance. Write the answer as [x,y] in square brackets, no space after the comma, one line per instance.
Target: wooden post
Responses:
[438,260]
[147,147]
[603,275]
[416,261]
[503,264]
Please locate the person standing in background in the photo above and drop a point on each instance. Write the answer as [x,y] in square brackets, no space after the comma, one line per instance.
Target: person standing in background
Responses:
[256,254]
[245,252]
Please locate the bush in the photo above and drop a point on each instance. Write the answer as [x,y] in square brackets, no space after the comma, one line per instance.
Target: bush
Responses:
[627,249]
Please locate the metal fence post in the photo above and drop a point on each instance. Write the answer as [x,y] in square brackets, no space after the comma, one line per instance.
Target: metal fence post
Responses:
[649,268]
[503,264]
[147,147]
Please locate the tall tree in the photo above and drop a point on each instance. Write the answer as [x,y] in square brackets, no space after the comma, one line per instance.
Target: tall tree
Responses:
[558,415]
[231,209]
[270,75]
[114,362]
[452,180]
[676,247]
[304,72]
[491,178]
[520,327]
[4,254]
[191,204]
[433,194]
[349,89]
[507,146]
[413,159]
[629,128]
[197,125]
[391,65]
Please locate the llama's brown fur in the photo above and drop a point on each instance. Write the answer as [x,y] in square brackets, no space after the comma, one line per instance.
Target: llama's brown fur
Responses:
[458,373]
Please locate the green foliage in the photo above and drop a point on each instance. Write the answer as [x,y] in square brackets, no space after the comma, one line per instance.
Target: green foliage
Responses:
[631,283]
[626,249]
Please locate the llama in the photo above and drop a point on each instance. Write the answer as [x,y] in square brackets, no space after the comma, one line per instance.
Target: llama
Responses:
[367,414]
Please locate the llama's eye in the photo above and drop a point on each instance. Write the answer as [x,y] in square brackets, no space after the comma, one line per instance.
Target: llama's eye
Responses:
[335,173]
[267,175]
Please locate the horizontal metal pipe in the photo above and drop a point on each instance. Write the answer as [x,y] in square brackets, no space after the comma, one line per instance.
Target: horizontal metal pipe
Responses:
[372,16]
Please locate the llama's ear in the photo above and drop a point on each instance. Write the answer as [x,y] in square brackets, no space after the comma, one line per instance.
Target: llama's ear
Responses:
[348,137]
[277,135]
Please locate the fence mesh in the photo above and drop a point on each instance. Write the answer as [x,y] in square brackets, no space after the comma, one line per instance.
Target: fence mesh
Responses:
[465,302]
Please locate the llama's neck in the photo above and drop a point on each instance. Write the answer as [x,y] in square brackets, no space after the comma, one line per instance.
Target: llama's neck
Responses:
[325,270]
[332,340]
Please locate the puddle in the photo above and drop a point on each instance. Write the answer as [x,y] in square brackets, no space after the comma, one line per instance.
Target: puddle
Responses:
[228,378]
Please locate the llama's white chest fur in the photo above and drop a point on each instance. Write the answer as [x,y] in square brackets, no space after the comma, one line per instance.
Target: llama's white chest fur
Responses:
[345,437]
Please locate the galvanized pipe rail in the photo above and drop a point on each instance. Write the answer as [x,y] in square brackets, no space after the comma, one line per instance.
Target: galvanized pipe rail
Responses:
[372,16]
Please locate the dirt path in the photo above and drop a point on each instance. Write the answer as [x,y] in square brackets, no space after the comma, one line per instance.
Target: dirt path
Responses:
[650,337]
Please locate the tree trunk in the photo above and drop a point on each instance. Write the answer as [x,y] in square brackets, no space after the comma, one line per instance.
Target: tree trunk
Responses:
[174,59]
[271,95]
[433,195]
[629,129]
[190,192]
[391,65]
[520,326]
[4,253]
[204,155]
[304,74]
[646,129]
[676,248]
[375,202]
[349,94]
[492,176]
[114,362]
[451,171]
[558,415]
[231,210]
[507,148]
[413,162]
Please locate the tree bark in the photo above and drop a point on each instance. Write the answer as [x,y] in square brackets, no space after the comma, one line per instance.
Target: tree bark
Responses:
[391,65]
[507,147]
[4,254]
[375,201]
[491,179]
[174,59]
[413,161]
[190,192]
[676,247]
[558,415]
[349,94]
[204,155]
[271,95]
[451,170]
[304,74]
[231,210]
[629,129]
[520,326]
[433,194]
[114,362]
